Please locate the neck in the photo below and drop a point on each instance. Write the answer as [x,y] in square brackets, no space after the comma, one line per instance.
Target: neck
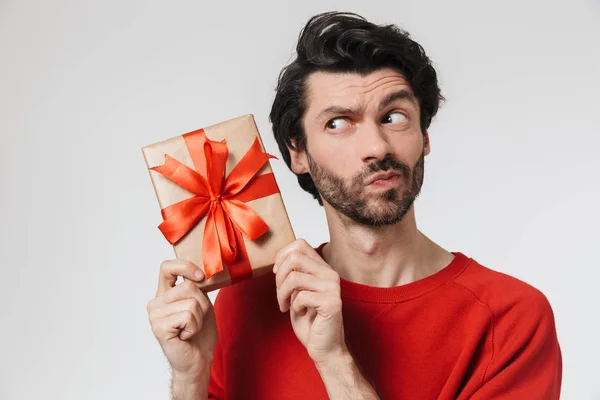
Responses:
[384,256]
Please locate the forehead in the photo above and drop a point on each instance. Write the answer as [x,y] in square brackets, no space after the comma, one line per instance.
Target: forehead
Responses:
[324,88]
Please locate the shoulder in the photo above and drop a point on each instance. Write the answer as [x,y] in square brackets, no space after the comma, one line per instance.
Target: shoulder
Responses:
[524,355]
[498,289]
[512,303]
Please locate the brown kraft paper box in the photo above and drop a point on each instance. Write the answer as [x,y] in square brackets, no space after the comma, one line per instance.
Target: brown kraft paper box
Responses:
[239,133]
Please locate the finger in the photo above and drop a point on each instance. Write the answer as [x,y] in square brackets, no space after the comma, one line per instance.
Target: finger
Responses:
[293,299]
[323,303]
[181,324]
[302,263]
[300,246]
[303,299]
[171,269]
[184,296]
[192,305]
[186,290]
[299,281]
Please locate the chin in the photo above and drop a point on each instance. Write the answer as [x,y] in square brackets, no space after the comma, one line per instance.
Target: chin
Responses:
[383,219]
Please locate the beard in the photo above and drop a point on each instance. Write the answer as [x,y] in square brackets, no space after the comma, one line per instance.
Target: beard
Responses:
[353,199]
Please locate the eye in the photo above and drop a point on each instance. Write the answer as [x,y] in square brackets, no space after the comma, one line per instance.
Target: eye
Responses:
[337,124]
[394,118]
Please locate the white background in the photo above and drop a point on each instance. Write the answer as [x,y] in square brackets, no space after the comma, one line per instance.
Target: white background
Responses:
[512,179]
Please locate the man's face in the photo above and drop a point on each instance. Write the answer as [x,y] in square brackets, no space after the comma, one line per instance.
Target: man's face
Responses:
[359,129]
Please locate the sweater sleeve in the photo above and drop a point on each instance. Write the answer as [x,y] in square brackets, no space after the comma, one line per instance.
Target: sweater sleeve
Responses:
[526,361]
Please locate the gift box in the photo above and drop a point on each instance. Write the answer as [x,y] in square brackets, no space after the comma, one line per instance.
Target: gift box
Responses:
[219,201]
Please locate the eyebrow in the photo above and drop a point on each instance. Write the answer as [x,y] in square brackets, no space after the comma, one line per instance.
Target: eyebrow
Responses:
[399,95]
[337,110]
[392,97]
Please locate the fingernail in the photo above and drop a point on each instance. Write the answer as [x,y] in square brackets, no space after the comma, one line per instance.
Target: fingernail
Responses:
[198,274]
[275,268]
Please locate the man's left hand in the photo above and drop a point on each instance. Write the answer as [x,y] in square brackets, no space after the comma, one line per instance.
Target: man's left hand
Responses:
[310,289]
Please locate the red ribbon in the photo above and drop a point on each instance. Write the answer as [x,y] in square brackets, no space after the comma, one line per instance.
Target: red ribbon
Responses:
[220,200]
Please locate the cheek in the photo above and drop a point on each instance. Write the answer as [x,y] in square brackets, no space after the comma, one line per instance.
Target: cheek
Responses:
[337,161]
[410,149]
[339,154]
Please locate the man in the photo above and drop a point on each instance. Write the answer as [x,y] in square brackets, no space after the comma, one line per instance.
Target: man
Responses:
[380,311]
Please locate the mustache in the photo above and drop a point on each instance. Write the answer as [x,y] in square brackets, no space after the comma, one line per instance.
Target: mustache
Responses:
[388,163]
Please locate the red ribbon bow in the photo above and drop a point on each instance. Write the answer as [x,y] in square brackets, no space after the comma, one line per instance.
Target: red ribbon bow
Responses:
[220,200]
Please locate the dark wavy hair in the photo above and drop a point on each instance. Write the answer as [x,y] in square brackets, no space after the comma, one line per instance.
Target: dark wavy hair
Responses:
[346,42]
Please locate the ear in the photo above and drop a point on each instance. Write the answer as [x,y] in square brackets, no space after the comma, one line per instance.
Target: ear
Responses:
[298,160]
[426,143]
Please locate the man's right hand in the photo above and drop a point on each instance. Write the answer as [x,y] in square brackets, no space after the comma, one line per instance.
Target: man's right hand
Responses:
[183,321]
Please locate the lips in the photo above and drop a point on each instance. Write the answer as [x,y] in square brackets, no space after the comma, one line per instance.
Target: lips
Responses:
[381,175]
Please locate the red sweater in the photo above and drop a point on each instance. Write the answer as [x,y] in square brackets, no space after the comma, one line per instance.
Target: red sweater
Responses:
[466,332]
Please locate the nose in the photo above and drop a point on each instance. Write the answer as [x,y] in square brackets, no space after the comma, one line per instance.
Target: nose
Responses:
[373,143]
